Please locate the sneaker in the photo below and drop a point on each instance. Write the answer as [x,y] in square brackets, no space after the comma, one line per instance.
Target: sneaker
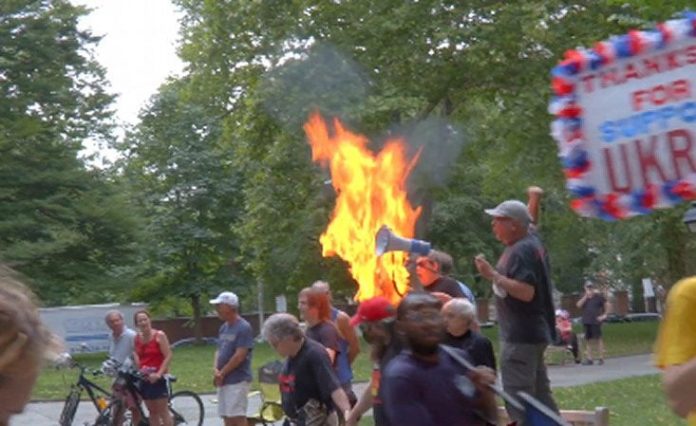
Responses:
[600,362]
[587,362]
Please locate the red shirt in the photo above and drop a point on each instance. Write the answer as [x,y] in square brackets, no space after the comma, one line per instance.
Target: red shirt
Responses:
[565,327]
[149,354]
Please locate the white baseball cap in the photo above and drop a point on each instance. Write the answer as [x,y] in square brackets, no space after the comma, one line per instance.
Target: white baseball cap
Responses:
[226,297]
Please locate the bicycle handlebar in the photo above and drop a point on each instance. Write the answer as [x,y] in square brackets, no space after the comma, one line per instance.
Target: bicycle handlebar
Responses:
[67,361]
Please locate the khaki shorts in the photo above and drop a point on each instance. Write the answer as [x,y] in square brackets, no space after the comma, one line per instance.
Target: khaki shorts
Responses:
[232,399]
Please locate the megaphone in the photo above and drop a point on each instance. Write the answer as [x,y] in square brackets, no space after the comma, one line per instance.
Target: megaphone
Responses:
[386,241]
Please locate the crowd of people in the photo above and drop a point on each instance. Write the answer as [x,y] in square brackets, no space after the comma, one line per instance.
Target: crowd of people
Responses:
[431,365]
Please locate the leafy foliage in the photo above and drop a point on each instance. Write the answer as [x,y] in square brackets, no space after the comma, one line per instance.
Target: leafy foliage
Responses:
[189,192]
[216,188]
[385,68]
[60,224]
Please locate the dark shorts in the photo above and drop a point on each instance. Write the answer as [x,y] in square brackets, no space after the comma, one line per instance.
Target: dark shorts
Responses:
[155,390]
[592,331]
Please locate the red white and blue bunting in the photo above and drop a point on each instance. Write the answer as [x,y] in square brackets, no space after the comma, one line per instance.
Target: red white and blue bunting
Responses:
[626,121]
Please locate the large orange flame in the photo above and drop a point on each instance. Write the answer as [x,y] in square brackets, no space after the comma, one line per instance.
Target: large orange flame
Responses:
[371,192]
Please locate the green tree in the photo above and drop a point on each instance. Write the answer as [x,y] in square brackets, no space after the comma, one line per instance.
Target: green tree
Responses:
[60,224]
[384,68]
[185,183]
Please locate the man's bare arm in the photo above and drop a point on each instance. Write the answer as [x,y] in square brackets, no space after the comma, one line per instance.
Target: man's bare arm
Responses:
[348,333]
[678,382]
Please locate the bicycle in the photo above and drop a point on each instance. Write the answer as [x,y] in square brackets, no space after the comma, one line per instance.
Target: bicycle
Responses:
[97,394]
[185,406]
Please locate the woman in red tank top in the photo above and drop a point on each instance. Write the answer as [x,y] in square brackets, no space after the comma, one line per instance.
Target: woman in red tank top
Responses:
[152,356]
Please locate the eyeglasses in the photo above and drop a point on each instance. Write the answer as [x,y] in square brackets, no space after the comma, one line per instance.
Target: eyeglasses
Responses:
[423,264]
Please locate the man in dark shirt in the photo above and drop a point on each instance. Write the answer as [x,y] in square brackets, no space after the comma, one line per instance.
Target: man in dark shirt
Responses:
[594,311]
[524,304]
[425,385]
[429,272]
[309,387]
[376,320]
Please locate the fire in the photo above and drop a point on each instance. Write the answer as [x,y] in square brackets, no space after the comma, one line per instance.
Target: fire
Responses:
[371,192]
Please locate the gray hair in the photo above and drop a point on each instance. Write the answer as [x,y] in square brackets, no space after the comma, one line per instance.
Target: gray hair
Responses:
[322,286]
[113,312]
[281,326]
[462,308]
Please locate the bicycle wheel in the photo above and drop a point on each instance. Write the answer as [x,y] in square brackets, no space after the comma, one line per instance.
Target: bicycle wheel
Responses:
[70,407]
[186,408]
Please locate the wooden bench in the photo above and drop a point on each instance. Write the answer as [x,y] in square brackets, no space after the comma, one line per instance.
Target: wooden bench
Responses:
[598,417]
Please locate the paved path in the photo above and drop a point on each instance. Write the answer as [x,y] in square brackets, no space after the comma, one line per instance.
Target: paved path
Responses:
[47,413]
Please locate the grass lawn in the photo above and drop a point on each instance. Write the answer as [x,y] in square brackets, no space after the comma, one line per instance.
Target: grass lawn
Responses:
[620,339]
[193,364]
[633,401]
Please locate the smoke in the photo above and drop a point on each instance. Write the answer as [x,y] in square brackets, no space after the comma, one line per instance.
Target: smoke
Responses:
[439,143]
[323,79]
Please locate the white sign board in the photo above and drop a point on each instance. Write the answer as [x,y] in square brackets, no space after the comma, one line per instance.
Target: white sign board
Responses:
[281,303]
[626,126]
[83,328]
[648,290]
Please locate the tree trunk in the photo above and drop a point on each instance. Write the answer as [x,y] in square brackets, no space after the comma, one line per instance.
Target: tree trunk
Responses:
[197,323]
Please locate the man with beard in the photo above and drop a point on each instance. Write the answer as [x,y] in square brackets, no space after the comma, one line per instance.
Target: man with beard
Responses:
[425,385]
[376,320]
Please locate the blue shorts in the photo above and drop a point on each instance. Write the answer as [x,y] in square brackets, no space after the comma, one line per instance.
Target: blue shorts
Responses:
[157,390]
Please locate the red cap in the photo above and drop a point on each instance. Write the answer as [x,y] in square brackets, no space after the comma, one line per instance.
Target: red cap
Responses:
[375,309]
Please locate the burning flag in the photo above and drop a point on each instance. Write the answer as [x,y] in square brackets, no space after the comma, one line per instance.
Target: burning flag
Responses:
[371,192]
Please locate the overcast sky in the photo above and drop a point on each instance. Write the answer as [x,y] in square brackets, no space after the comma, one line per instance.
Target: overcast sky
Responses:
[138,48]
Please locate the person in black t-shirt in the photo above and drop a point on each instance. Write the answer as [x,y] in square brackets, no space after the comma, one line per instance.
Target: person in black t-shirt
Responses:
[521,281]
[310,390]
[429,272]
[315,309]
[594,311]
[459,318]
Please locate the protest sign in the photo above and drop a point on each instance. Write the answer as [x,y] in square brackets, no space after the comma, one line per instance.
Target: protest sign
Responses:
[626,121]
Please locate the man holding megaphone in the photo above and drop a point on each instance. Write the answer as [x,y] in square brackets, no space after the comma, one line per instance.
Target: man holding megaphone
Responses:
[429,272]
[428,263]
